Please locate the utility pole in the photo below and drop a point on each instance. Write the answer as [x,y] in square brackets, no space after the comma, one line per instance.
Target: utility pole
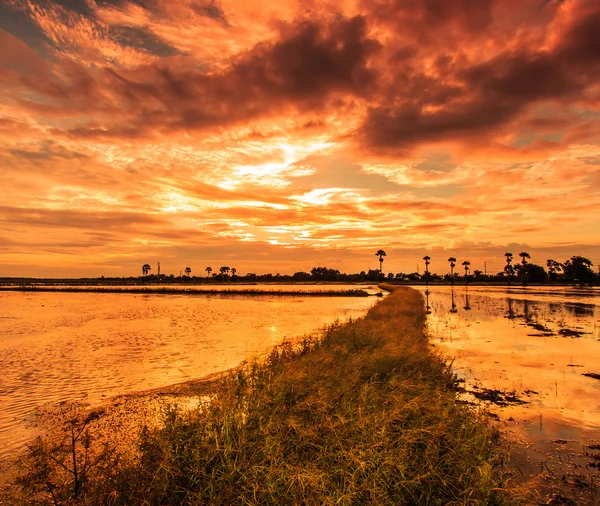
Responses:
[159,268]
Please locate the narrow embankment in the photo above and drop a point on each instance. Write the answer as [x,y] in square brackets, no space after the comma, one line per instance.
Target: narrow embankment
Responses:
[364,414]
[388,287]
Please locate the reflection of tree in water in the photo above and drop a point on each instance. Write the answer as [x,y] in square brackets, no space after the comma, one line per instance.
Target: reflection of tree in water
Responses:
[511,312]
[467,306]
[526,314]
[453,308]
[551,318]
[554,307]
[427,306]
[579,309]
[546,318]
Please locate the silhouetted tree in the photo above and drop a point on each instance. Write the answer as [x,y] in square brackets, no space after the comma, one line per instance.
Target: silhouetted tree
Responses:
[374,275]
[146,269]
[324,274]
[554,269]
[208,271]
[466,264]
[535,273]
[579,268]
[508,268]
[380,253]
[452,261]
[301,276]
[233,271]
[188,271]
[531,273]
[523,271]
[224,271]
[427,262]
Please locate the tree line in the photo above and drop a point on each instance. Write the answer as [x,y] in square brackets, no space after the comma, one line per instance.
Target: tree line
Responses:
[577,269]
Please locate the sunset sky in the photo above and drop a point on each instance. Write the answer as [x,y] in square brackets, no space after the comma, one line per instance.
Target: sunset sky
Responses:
[278,136]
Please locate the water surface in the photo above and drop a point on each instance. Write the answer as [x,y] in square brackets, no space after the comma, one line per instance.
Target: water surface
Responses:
[92,346]
[531,354]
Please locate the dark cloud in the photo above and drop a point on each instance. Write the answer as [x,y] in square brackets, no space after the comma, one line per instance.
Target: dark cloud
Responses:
[422,16]
[581,44]
[212,10]
[79,6]
[16,19]
[18,23]
[48,150]
[487,95]
[141,39]
[302,70]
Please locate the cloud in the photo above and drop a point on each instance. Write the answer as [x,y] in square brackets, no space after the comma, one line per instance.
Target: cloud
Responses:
[302,71]
[76,219]
[476,99]
[140,128]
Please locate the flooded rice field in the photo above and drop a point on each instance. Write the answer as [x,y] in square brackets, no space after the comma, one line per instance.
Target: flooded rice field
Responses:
[533,356]
[90,346]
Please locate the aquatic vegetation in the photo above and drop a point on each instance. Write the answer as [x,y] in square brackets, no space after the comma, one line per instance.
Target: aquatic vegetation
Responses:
[192,291]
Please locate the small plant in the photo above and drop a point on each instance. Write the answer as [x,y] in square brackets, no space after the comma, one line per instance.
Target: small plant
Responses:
[58,466]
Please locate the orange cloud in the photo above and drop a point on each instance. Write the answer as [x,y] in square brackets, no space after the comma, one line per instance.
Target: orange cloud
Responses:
[135,129]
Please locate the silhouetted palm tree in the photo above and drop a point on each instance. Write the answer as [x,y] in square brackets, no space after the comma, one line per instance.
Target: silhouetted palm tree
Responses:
[380,253]
[224,270]
[427,262]
[466,264]
[208,271]
[524,255]
[508,268]
[188,271]
[146,269]
[452,261]
[233,271]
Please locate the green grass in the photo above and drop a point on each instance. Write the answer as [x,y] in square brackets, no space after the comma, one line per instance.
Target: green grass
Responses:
[364,414]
